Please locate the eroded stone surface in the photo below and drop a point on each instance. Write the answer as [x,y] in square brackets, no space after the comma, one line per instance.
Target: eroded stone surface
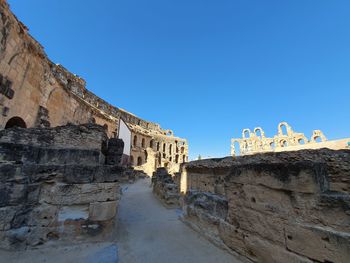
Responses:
[273,207]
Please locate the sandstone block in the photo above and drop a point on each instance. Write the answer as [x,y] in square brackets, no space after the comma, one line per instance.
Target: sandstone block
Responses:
[72,194]
[102,211]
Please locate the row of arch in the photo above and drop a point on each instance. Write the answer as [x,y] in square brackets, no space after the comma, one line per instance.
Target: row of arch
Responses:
[157,145]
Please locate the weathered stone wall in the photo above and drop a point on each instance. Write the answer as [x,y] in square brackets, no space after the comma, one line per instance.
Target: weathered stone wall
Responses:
[282,207]
[165,188]
[58,184]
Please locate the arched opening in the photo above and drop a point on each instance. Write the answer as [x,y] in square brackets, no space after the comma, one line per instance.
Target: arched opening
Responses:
[283,143]
[237,148]
[284,130]
[132,160]
[246,133]
[105,126]
[170,149]
[317,139]
[151,143]
[184,158]
[158,146]
[159,159]
[182,149]
[139,161]
[143,143]
[301,141]
[164,146]
[258,132]
[15,122]
[135,141]
[272,146]
[176,147]
[177,158]
[146,156]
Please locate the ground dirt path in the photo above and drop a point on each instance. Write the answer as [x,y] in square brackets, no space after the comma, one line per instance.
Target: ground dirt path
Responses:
[150,233]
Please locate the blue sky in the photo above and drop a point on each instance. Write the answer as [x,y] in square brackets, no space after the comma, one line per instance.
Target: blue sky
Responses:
[207,68]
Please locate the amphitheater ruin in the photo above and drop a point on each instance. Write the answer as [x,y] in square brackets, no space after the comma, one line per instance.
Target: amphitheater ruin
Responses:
[75,177]
[287,140]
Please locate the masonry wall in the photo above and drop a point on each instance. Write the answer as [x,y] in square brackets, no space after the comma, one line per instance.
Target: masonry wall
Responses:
[58,184]
[282,207]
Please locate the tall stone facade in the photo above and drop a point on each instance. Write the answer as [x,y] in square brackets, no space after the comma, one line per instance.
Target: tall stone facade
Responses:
[35,92]
[287,140]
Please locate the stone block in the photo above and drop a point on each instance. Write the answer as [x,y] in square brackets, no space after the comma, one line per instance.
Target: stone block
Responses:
[72,194]
[319,243]
[261,250]
[102,211]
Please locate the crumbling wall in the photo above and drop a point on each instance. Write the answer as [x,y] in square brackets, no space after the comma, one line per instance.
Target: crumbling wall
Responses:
[165,188]
[283,207]
[58,184]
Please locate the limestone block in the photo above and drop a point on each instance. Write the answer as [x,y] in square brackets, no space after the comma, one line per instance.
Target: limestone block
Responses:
[71,194]
[263,251]
[102,211]
[260,198]
[268,226]
[233,237]
[319,243]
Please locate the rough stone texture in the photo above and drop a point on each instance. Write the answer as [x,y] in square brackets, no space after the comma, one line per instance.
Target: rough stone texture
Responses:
[56,184]
[165,188]
[273,207]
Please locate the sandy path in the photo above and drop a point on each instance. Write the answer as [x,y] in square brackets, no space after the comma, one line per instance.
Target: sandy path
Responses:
[150,233]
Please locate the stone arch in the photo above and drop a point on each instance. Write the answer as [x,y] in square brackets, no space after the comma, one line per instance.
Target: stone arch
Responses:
[261,131]
[143,143]
[164,147]
[246,133]
[135,141]
[169,133]
[105,126]
[15,122]
[283,143]
[287,127]
[158,146]
[139,161]
[170,149]
[235,148]
[58,103]
[151,143]
[318,136]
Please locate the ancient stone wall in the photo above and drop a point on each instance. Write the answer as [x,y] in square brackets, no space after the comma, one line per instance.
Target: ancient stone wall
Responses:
[285,140]
[273,207]
[58,184]
[165,188]
[35,92]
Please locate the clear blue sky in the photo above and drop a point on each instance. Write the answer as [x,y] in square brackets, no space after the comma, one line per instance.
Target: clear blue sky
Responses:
[207,68]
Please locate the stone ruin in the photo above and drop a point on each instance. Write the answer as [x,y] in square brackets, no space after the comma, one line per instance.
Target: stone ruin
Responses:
[286,203]
[288,140]
[272,207]
[54,97]
[58,184]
